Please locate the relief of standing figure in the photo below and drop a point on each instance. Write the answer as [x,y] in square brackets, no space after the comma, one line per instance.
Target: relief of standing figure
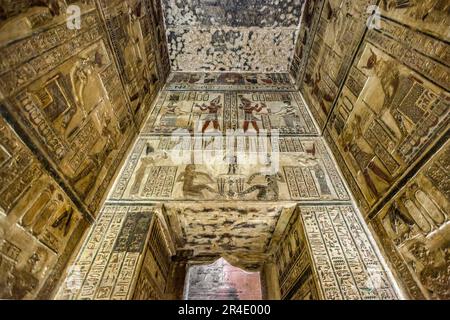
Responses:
[248,113]
[212,116]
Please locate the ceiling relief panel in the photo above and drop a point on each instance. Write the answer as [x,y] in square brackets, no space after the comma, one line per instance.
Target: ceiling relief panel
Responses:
[209,112]
[163,169]
[74,111]
[229,81]
[231,49]
[233,13]
[294,264]
[231,35]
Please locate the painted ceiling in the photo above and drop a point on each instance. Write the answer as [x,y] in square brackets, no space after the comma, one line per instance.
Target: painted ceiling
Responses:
[231,35]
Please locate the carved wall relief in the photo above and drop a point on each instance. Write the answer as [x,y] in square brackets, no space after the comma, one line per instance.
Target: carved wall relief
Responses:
[154,276]
[27,57]
[311,12]
[294,263]
[414,229]
[62,91]
[430,16]
[391,111]
[155,171]
[217,112]
[329,37]
[307,290]
[164,65]
[125,254]
[340,29]
[388,114]
[325,253]
[135,36]
[64,87]
[39,224]
[20,18]
[396,67]
[73,116]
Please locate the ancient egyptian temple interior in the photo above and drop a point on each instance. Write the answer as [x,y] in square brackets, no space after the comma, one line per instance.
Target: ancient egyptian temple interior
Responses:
[224,149]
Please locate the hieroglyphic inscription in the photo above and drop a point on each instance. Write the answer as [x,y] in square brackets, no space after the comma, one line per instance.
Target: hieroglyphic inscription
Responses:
[345,260]
[108,261]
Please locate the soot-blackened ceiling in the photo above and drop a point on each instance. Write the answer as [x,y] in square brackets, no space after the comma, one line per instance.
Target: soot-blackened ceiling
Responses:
[231,35]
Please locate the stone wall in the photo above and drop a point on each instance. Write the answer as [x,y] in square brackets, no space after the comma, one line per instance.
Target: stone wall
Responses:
[72,101]
[377,80]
